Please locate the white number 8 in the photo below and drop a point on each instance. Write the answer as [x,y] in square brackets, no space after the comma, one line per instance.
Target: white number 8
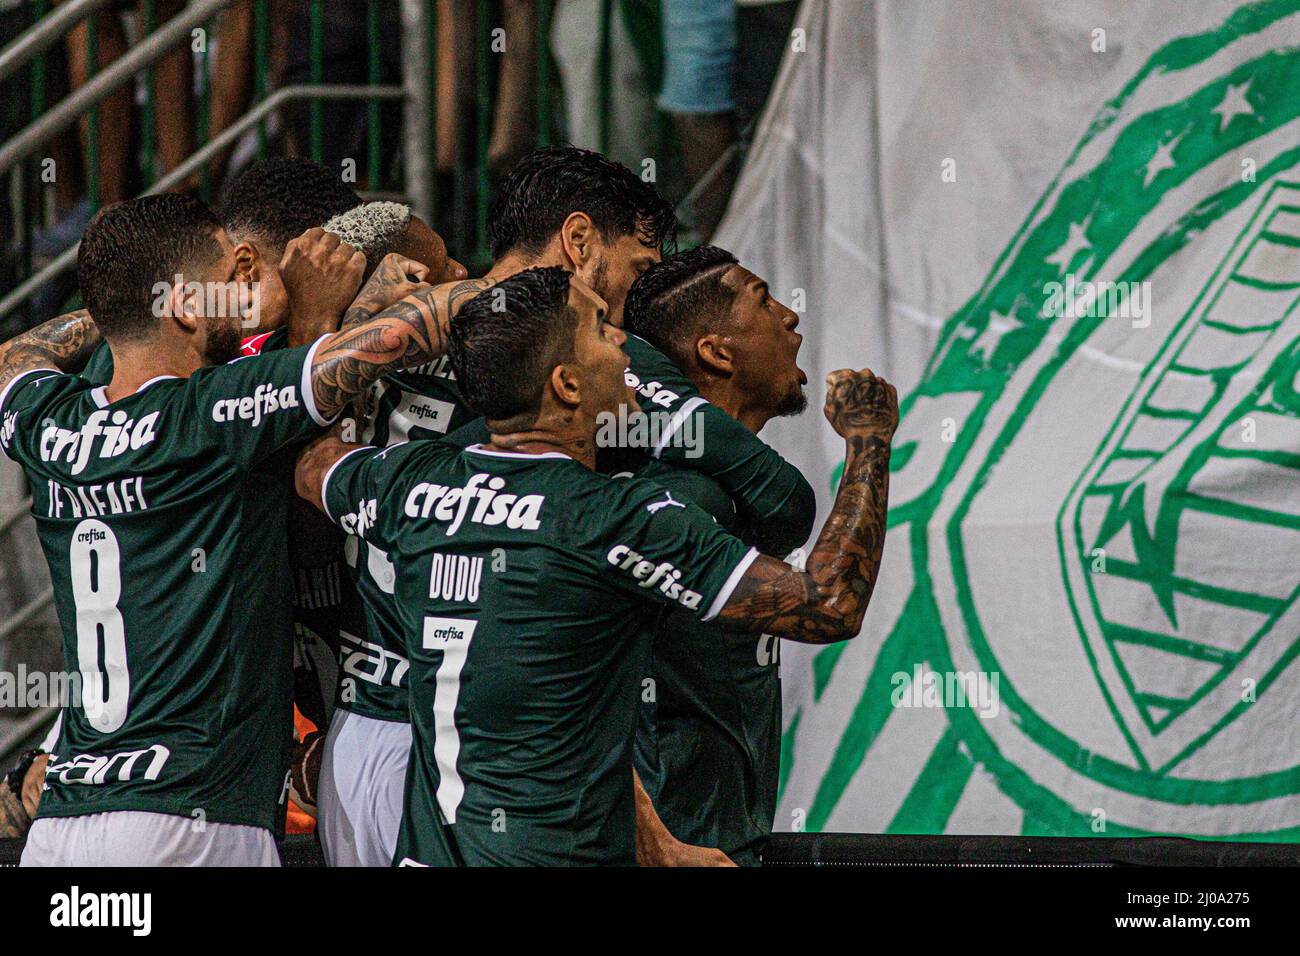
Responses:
[105,684]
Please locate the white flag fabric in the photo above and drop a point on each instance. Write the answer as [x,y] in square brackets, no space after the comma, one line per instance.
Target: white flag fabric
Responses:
[1070,233]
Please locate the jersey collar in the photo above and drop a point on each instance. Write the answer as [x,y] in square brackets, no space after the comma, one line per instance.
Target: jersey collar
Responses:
[100,394]
[478,449]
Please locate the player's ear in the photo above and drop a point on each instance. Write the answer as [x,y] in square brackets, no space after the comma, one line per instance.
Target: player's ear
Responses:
[184,305]
[565,385]
[578,239]
[248,263]
[715,354]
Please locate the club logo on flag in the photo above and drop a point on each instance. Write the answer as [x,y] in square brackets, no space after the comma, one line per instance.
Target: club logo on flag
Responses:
[1146,624]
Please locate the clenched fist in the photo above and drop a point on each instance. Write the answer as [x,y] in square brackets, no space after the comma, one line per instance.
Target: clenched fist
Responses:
[321,275]
[861,404]
[395,279]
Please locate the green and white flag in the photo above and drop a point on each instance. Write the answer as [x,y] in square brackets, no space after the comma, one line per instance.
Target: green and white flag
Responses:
[1070,233]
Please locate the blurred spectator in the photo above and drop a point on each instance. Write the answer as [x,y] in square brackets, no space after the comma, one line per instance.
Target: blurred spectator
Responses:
[15,114]
[514,121]
[345,40]
[511,85]
[514,75]
[173,84]
[635,65]
[720,58]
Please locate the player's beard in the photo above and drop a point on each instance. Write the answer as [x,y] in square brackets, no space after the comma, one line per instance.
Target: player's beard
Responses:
[222,344]
[600,277]
[792,403]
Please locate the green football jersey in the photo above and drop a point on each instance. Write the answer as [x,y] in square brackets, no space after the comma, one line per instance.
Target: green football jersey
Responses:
[325,603]
[424,402]
[99,367]
[523,583]
[417,403]
[162,519]
[773,496]
[708,740]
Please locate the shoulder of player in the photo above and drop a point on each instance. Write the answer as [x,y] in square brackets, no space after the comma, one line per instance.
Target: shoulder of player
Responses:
[691,486]
[646,362]
[272,341]
[99,367]
[660,385]
[573,493]
[40,397]
[36,386]
[640,496]
[42,385]
[247,365]
[405,464]
[642,355]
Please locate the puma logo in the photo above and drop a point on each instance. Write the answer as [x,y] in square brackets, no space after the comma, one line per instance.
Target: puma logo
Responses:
[652,508]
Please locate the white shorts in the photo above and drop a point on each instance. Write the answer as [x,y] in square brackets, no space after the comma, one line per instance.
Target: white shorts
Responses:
[137,838]
[361,789]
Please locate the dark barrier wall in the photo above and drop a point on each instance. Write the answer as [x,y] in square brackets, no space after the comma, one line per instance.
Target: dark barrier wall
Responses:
[863,849]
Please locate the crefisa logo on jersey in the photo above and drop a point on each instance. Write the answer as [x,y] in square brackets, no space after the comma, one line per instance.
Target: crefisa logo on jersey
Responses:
[648,574]
[120,433]
[8,427]
[359,521]
[653,391]
[266,400]
[484,494]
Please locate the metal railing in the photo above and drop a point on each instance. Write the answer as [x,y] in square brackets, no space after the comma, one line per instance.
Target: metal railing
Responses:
[465,228]
[463,190]
[68,258]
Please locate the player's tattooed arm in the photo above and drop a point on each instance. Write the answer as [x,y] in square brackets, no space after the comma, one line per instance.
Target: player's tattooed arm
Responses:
[827,602]
[351,360]
[441,301]
[397,278]
[411,332]
[64,343]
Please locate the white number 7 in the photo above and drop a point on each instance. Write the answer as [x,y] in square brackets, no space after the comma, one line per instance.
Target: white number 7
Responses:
[451,635]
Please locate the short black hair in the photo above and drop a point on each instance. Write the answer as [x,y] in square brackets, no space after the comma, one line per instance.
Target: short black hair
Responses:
[676,300]
[550,183]
[277,200]
[130,247]
[506,340]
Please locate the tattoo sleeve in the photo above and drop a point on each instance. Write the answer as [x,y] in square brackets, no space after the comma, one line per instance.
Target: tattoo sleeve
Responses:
[443,301]
[411,332]
[64,343]
[827,602]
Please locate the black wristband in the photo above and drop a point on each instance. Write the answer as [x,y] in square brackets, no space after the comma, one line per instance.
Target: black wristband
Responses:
[15,777]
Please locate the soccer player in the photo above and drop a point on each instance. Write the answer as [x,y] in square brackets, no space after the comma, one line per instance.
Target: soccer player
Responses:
[523,578]
[709,739]
[271,203]
[560,206]
[160,507]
